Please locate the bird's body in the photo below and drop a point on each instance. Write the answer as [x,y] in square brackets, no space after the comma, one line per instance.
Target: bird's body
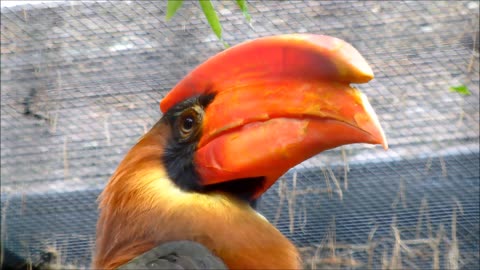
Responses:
[230,129]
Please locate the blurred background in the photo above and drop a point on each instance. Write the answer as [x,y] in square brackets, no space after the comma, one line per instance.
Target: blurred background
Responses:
[82,81]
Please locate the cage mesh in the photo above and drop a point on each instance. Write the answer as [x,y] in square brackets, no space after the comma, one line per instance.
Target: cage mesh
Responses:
[82,81]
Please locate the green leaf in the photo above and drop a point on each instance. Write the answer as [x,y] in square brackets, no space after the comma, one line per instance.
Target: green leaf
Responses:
[242,4]
[172,7]
[461,89]
[212,19]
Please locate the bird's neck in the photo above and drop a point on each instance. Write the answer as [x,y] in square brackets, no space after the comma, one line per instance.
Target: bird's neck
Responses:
[141,208]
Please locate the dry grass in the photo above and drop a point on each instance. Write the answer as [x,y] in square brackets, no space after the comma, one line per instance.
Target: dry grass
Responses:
[66,166]
[475,54]
[346,168]
[291,195]
[397,253]
[428,165]
[400,195]
[453,255]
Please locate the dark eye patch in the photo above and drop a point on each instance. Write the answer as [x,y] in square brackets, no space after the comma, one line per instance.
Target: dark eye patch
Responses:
[185,120]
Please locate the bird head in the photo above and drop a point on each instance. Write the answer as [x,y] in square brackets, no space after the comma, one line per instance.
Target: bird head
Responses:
[247,115]
[230,129]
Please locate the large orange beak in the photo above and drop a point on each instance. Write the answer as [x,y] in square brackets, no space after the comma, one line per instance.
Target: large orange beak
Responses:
[278,101]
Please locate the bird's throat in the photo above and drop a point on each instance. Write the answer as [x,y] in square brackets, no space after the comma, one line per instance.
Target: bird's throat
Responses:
[227,226]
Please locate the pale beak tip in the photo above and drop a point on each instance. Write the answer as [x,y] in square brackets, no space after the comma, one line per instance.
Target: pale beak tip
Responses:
[384,141]
[377,131]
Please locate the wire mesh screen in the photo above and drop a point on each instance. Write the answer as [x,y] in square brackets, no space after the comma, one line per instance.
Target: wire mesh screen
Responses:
[81,82]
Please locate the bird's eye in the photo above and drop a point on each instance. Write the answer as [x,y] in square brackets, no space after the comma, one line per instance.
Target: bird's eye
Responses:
[188,123]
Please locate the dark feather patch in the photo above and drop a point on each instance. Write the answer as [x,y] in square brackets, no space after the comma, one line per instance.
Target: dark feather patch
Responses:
[179,151]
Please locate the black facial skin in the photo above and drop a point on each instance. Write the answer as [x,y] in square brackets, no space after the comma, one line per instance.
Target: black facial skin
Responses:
[185,120]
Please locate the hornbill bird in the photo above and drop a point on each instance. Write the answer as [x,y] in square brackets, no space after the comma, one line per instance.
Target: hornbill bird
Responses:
[229,130]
